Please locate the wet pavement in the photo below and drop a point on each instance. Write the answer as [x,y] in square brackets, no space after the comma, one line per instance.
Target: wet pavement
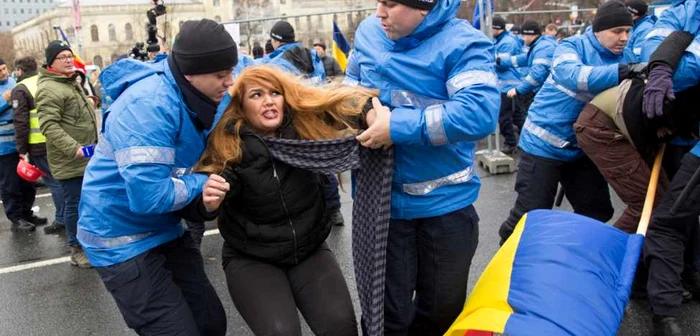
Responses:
[42,294]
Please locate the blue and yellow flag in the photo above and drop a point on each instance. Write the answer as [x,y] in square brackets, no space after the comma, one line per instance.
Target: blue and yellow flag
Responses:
[341,47]
[558,274]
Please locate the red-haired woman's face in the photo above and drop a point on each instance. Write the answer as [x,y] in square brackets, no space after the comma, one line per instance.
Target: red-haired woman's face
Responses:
[263,108]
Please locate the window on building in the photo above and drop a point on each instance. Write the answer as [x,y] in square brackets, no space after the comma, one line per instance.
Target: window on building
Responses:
[21,11]
[97,60]
[94,34]
[128,32]
[7,23]
[216,2]
[112,32]
[217,18]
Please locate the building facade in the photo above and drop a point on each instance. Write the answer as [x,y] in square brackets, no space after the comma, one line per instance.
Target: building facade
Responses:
[111,28]
[14,12]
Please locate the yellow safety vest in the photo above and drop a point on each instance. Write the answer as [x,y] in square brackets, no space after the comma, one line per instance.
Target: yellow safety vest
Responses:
[35,136]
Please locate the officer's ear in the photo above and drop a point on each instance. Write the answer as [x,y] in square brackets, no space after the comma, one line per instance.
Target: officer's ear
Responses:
[424,12]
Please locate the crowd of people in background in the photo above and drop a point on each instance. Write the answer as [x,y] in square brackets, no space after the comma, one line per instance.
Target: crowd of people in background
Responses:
[585,112]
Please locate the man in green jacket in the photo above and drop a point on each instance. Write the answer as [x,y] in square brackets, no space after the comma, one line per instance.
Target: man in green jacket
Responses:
[67,119]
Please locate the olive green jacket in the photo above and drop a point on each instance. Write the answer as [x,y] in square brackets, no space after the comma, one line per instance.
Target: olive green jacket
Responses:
[67,119]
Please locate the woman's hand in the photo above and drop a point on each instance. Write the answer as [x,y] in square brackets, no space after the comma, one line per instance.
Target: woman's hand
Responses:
[214,192]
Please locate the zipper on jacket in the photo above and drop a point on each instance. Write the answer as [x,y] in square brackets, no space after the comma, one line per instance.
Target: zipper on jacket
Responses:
[284,202]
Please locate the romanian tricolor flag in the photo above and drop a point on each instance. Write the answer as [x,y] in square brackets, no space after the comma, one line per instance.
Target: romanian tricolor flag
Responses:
[558,274]
[341,47]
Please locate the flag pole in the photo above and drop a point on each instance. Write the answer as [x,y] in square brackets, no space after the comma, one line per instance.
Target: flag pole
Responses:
[651,192]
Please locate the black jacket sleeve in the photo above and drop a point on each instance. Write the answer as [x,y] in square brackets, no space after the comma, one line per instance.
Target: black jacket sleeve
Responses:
[671,50]
[21,117]
[196,212]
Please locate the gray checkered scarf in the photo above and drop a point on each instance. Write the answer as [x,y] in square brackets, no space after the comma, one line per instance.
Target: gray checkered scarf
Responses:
[370,212]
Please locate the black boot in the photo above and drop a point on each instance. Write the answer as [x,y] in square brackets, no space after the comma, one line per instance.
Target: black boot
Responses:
[36,220]
[23,225]
[667,326]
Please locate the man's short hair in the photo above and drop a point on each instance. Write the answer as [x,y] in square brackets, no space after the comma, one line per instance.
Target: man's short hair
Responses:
[551,26]
[320,44]
[26,64]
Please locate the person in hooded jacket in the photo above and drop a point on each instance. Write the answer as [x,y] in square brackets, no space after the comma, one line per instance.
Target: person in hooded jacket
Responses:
[508,78]
[292,56]
[643,23]
[670,231]
[139,184]
[538,61]
[272,216]
[436,74]
[583,66]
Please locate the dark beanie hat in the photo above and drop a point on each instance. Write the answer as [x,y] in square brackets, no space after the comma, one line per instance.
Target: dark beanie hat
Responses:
[2,61]
[268,47]
[637,7]
[531,28]
[498,23]
[282,31]
[419,4]
[515,29]
[204,46]
[54,48]
[610,15]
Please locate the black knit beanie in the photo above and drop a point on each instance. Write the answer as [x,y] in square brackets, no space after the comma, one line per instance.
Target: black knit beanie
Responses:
[282,31]
[419,4]
[204,46]
[2,61]
[531,28]
[498,23]
[54,48]
[610,15]
[515,29]
[637,7]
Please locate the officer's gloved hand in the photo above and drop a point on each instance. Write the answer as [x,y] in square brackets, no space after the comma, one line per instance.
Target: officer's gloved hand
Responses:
[627,71]
[659,89]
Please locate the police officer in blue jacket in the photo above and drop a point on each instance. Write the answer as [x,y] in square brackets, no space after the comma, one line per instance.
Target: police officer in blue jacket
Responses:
[292,56]
[508,78]
[670,231]
[436,79]
[583,66]
[139,184]
[643,23]
[538,61]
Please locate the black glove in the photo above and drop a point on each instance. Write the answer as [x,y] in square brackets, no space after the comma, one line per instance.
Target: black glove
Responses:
[633,70]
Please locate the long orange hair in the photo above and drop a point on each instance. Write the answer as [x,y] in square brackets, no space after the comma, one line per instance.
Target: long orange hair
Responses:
[318,113]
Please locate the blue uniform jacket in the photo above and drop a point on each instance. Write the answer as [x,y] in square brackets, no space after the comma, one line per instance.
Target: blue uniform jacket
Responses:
[441,86]
[318,76]
[506,47]
[582,68]
[539,62]
[140,173]
[639,32]
[7,126]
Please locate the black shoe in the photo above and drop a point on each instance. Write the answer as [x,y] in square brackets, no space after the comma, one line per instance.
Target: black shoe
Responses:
[508,149]
[23,225]
[54,228]
[667,326]
[337,219]
[36,220]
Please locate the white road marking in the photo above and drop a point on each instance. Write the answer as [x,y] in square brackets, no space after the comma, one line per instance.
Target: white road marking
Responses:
[49,262]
